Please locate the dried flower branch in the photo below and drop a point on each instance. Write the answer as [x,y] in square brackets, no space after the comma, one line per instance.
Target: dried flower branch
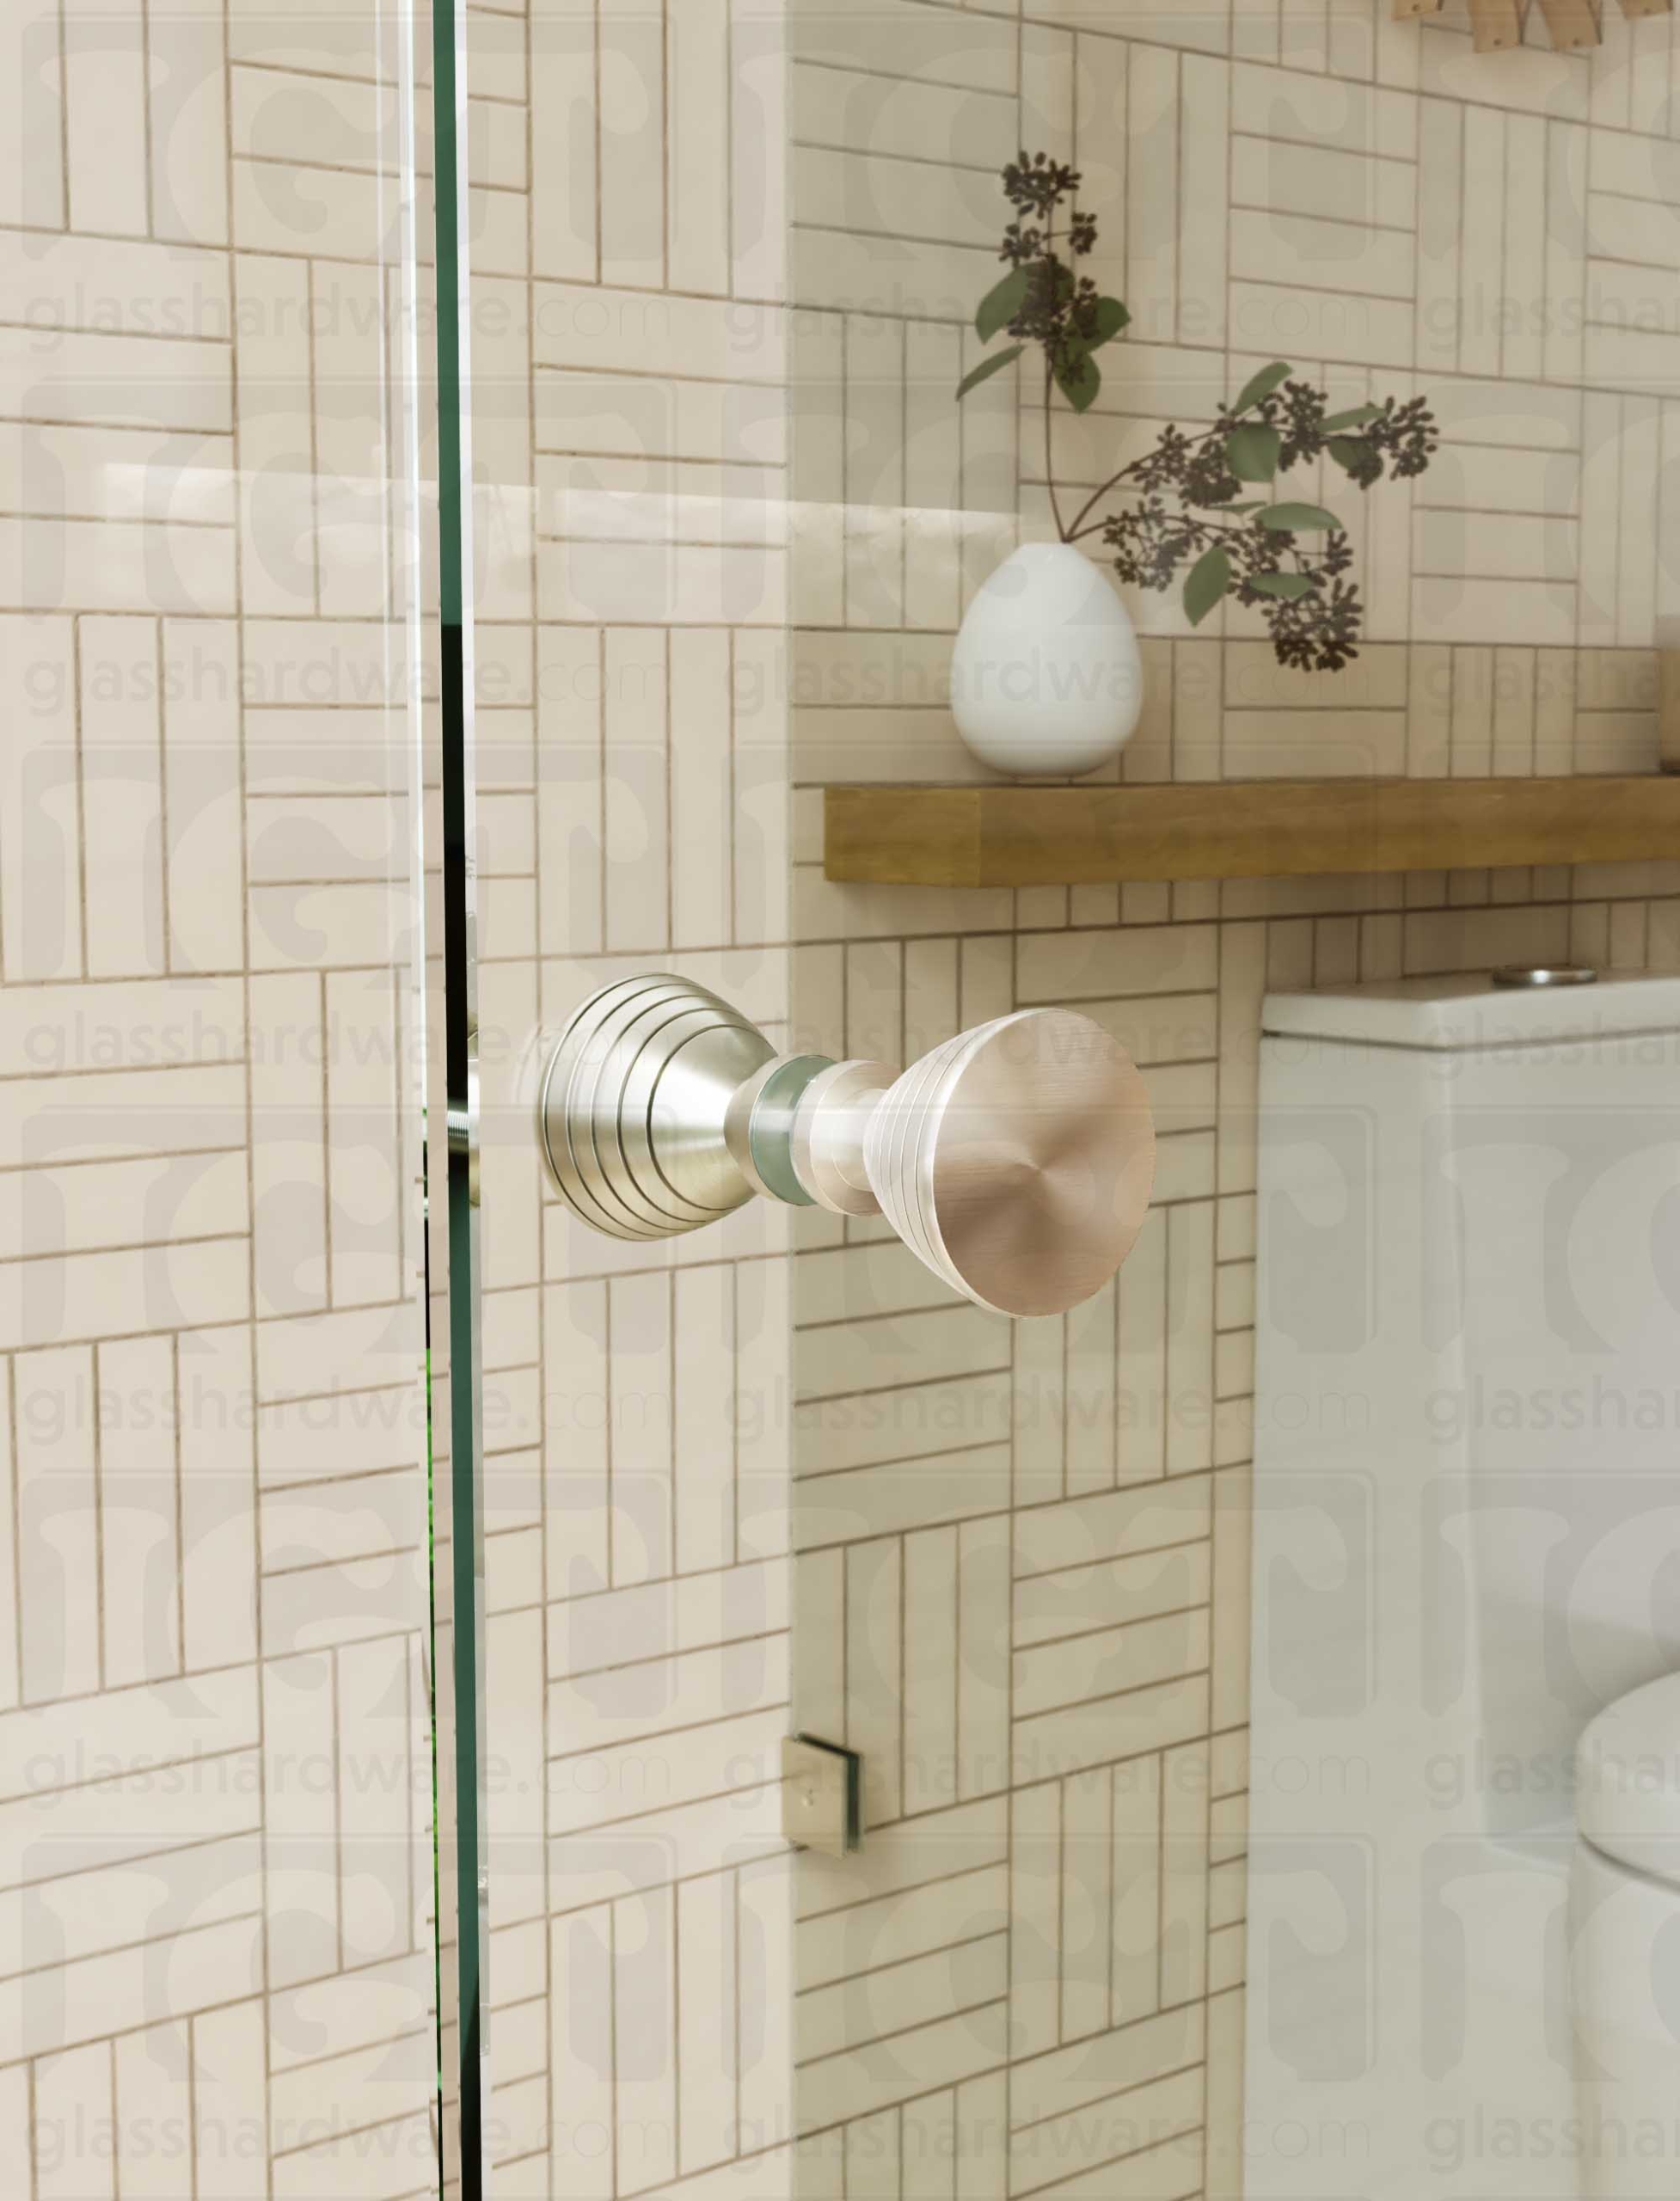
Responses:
[1190,488]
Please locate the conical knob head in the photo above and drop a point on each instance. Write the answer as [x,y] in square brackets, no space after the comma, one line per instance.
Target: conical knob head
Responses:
[1016,1160]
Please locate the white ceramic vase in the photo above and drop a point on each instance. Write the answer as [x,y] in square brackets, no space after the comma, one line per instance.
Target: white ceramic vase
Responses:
[1046,680]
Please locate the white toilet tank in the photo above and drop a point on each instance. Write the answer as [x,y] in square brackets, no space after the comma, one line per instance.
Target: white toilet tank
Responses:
[1467,1541]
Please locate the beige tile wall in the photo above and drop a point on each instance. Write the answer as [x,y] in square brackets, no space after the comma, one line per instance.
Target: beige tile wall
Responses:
[215,1959]
[729,520]
[1022,1574]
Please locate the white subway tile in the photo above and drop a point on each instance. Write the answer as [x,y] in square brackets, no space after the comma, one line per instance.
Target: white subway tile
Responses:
[72,2100]
[301,1808]
[708,2018]
[150,382]
[32,118]
[140,1561]
[289,1169]
[106,63]
[189,135]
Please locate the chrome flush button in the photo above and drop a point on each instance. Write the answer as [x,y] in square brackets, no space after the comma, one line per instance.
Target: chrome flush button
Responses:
[1544,974]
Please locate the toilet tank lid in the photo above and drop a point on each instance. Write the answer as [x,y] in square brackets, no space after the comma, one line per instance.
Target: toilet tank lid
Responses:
[1471,1011]
[1627,1779]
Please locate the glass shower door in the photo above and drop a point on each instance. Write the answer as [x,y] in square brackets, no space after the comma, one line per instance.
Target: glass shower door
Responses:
[772,1476]
[784,395]
[628,335]
[215,1749]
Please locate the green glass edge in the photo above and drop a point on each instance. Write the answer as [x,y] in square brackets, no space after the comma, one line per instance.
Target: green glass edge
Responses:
[457,991]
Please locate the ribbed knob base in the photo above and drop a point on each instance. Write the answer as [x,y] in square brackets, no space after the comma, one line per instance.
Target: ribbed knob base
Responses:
[631,1114]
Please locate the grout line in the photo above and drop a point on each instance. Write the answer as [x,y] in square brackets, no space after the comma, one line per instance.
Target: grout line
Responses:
[180,1505]
[1111,1906]
[76,670]
[612,2018]
[674,1435]
[16,1502]
[324,1025]
[64,226]
[337,1564]
[600,263]
[161,692]
[1161,1876]
[335,1715]
[147,154]
[734,1898]
[97,1429]
[901,2032]
[900,1555]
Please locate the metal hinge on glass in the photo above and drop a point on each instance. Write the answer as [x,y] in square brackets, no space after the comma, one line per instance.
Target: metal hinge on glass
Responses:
[822,1795]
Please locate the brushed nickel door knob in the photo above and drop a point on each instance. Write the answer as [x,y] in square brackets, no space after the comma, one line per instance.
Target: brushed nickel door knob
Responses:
[1015,1160]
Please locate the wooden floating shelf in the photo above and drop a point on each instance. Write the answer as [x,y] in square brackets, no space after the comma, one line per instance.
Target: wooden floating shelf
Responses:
[1013,835]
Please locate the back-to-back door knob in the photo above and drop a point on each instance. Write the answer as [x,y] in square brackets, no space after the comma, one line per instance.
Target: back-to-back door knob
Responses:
[1014,1160]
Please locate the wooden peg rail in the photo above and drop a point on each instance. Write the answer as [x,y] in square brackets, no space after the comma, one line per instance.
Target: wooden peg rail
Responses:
[1574,24]
[1495,24]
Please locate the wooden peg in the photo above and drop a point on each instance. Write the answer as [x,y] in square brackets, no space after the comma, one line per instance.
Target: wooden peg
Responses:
[1495,24]
[1405,10]
[1573,24]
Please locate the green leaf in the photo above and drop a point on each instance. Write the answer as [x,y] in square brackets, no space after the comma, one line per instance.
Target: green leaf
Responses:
[1355,417]
[1252,504]
[988,368]
[1111,318]
[1253,451]
[1001,303]
[1079,379]
[1205,585]
[1298,519]
[1262,385]
[1290,586]
[1349,453]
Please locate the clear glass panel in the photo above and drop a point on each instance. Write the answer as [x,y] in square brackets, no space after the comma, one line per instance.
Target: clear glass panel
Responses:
[215,1719]
[414,619]
[736,538]
[628,421]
